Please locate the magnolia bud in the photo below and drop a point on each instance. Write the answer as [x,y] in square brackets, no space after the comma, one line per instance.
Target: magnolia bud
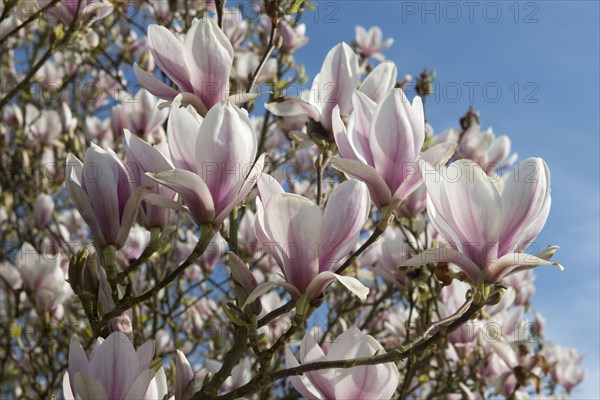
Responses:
[42,210]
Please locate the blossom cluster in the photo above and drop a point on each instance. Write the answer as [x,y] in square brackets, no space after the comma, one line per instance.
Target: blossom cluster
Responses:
[213,236]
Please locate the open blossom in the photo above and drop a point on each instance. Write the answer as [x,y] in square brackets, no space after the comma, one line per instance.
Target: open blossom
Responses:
[42,275]
[486,230]
[114,370]
[101,189]
[565,366]
[490,152]
[144,115]
[43,207]
[209,180]
[87,11]
[370,44]
[293,37]
[199,64]
[366,382]
[333,88]
[338,78]
[382,143]
[306,242]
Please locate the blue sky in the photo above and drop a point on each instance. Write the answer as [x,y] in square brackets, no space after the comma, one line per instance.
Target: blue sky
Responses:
[544,58]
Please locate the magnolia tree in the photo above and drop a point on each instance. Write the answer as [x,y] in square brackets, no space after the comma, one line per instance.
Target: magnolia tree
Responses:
[222,233]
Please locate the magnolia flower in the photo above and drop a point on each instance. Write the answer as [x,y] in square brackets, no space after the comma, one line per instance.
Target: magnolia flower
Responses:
[211,181]
[565,366]
[184,377]
[43,207]
[102,191]
[307,243]
[199,63]
[508,368]
[99,131]
[364,382]
[88,11]
[42,275]
[114,370]
[293,37]
[486,230]
[45,126]
[382,143]
[490,152]
[333,87]
[144,115]
[369,43]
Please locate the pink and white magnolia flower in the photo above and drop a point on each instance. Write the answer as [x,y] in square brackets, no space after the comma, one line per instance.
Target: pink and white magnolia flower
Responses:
[293,37]
[370,43]
[114,370]
[357,383]
[199,64]
[382,143]
[87,11]
[102,191]
[565,366]
[306,242]
[144,115]
[211,180]
[42,276]
[485,230]
[43,207]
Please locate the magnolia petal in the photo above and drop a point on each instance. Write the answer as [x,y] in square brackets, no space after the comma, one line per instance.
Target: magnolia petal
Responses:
[130,213]
[192,189]
[436,156]
[340,134]
[153,84]
[149,157]
[140,386]
[67,391]
[301,383]
[267,186]
[225,126]
[448,255]
[380,193]
[295,223]
[525,204]
[345,214]
[292,107]
[323,279]
[183,374]
[208,55]
[265,287]
[81,200]
[245,188]
[78,361]
[393,139]
[241,98]
[168,51]
[163,201]
[380,81]
[338,78]
[514,262]
[359,126]
[183,128]
[88,387]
